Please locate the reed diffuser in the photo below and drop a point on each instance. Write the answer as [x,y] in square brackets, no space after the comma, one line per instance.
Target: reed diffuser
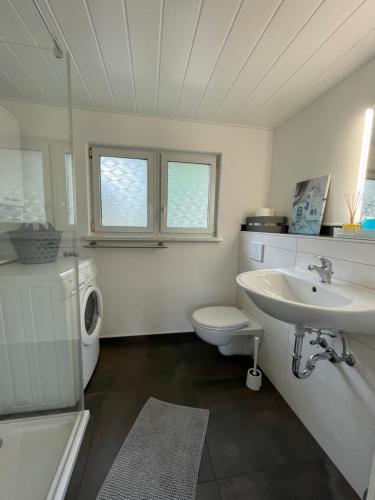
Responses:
[353,202]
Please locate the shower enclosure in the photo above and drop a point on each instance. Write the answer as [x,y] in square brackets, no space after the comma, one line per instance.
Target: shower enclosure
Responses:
[42,419]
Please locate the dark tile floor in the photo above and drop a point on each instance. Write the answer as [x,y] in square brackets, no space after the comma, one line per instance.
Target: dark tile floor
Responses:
[255,449]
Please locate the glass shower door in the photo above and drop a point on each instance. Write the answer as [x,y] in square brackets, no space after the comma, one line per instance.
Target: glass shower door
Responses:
[41,398]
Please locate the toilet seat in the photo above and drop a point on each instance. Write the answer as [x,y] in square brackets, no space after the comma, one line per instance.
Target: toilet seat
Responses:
[220,318]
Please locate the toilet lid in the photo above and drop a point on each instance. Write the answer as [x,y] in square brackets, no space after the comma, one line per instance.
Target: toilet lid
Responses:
[221,317]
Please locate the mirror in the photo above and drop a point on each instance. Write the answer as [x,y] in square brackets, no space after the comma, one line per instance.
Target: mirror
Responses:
[368,202]
[366,175]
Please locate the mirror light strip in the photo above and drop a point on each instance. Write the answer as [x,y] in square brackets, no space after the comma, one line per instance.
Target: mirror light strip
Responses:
[366,142]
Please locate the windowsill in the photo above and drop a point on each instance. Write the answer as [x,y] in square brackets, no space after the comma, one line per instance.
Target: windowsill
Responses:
[171,238]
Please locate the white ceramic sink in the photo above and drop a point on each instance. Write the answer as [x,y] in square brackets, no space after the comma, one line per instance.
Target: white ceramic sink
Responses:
[297,297]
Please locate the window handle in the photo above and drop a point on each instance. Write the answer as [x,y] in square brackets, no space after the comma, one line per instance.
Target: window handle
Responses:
[150,214]
[164,213]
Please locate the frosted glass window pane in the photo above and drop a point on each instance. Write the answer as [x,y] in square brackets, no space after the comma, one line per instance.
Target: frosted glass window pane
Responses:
[22,197]
[123,185]
[33,181]
[188,195]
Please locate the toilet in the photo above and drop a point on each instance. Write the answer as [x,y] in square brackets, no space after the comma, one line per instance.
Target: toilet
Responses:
[229,328]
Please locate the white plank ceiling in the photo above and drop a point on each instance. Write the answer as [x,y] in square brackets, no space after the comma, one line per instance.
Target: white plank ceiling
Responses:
[248,62]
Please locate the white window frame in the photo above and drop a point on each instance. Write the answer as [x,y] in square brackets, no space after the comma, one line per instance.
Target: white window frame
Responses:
[97,152]
[157,196]
[58,150]
[187,158]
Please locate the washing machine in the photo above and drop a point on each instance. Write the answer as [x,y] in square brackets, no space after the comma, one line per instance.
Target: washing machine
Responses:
[91,312]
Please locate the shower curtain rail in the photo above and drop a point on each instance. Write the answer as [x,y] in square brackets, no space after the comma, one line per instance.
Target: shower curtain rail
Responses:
[57,50]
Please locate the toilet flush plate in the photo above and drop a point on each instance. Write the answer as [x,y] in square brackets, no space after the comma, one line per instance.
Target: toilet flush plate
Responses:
[256,251]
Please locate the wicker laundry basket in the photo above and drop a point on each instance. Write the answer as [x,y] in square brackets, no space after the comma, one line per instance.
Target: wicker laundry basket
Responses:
[36,243]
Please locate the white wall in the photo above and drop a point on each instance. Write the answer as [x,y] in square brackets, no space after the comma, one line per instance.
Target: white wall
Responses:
[9,130]
[39,120]
[325,137]
[151,291]
[337,403]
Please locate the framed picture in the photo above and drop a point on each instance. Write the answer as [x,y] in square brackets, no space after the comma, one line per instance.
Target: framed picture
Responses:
[308,205]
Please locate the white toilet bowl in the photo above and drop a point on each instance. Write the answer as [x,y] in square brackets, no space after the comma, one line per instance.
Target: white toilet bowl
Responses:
[229,328]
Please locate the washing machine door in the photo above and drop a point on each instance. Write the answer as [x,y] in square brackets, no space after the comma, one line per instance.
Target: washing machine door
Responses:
[91,314]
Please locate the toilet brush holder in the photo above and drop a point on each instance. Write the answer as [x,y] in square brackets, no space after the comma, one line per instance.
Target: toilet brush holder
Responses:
[254,379]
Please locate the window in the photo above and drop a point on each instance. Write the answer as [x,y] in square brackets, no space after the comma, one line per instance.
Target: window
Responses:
[187,193]
[22,187]
[37,184]
[153,192]
[123,190]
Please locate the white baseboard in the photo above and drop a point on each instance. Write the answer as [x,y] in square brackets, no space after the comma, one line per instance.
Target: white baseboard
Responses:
[119,335]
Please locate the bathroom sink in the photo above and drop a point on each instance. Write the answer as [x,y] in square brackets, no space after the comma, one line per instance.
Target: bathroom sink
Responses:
[295,296]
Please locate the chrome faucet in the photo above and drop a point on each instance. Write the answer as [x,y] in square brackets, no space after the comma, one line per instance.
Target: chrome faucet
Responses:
[325,270]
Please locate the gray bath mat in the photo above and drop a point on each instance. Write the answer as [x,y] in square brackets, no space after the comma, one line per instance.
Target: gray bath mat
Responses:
[160,458]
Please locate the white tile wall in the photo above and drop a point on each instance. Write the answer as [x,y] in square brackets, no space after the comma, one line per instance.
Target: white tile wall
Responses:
[348,442]
[337,403]
[275,360]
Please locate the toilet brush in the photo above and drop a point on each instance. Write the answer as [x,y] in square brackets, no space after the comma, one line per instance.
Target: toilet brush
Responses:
[254,375]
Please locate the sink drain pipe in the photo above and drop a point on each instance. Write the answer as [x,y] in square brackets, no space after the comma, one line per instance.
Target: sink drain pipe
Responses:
[328,354]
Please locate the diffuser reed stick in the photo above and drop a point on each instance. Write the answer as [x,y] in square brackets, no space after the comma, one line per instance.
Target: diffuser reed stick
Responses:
[353,202]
